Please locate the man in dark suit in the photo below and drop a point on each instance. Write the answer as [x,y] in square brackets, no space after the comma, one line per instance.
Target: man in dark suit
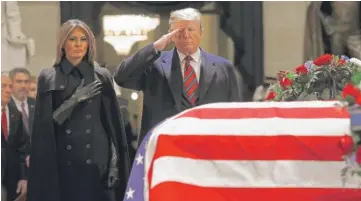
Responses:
[21,82]
[173,81]
[14,146]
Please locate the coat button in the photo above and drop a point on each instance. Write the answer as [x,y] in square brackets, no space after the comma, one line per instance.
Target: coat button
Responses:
[89,100]
[88,131]
[88,161]
[88,116]
[68,147]
[68,131]
[88,146]
[69,163]
[62,86]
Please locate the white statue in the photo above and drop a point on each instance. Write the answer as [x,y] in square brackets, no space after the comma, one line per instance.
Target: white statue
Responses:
[16,48]
[343,27]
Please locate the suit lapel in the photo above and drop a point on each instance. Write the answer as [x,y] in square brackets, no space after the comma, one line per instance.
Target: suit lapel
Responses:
[31,105]
[208,70]
[12,103]
[13,124]
[172,72]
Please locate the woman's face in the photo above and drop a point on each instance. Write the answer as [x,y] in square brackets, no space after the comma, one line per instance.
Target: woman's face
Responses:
[76,45]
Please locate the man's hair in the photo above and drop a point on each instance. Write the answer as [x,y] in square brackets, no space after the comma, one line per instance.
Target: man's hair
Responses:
[14,71]
[185,14]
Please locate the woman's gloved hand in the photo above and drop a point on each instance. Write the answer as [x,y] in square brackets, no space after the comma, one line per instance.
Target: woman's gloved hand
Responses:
[81,94]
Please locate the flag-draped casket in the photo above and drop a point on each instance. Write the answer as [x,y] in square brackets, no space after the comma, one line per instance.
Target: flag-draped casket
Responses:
[274,151]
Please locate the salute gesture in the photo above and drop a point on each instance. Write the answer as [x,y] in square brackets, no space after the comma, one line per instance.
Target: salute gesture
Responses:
[165,40]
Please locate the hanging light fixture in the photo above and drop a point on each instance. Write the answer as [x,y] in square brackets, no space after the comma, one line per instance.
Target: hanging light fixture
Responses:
[123,31]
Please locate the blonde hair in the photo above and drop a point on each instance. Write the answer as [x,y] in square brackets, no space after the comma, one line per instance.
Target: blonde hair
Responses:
[64,32]
[185,14]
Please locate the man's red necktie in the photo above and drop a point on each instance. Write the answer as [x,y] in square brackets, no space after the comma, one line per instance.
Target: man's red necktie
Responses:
[190,81]
[4,123]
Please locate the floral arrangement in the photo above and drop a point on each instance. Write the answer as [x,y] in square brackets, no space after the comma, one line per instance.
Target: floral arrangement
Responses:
[329,77]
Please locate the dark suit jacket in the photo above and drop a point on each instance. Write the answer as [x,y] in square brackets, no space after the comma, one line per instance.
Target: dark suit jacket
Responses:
[159,76]
[31,105]
[43,180]
[13,153]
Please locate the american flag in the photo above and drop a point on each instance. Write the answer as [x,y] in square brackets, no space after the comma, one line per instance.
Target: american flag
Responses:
[274,151]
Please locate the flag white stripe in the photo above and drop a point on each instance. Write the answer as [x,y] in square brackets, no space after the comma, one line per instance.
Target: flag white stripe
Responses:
[259,127]
[250,174]
[255,105]
[153,140]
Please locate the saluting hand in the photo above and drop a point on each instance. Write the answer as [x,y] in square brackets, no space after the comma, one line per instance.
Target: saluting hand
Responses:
[165,40]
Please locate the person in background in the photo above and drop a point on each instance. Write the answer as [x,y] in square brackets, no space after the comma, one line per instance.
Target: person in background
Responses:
[79,148]
[176,80]
[26,105]
[14,146]
[33,87]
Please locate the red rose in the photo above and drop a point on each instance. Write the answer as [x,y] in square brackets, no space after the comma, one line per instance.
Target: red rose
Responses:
[350,90]
[301,69]
[341,62]
[323,60]
[271,95]
[285,82]
[346,144]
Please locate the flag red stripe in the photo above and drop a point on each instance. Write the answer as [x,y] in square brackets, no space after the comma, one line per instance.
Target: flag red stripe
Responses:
[173,191]
[250,147]
[237,113]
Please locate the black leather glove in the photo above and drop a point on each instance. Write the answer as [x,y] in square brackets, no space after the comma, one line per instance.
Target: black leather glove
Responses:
[81,94]
[113,176]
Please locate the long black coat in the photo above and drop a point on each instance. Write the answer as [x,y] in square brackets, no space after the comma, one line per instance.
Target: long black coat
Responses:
[13,153]
[43,181]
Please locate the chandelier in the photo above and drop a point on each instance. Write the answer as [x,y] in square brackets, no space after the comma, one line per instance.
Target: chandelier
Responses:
[123,31]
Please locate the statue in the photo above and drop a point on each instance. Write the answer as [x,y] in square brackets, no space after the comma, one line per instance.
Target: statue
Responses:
[16,48]
[333,27]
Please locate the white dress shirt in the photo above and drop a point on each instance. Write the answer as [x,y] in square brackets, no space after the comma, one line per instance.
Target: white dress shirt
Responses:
[195,62]
[18,105]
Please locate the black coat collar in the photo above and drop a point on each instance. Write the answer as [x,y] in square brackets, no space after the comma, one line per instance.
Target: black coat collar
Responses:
[56,77]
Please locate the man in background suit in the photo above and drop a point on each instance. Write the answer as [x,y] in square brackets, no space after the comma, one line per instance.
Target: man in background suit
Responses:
[176,80]
[14,146]
[21,82]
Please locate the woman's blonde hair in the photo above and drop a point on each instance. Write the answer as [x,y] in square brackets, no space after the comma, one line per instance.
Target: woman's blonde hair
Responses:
[64,32]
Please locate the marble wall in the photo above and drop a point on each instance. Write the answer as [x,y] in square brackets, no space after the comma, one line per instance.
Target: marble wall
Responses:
[284,24]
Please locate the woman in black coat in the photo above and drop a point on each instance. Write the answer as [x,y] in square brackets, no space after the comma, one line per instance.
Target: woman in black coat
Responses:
[79,148]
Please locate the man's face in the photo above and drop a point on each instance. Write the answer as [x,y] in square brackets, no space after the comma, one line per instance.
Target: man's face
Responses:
[188,38]
[33,88]
[6,90]
[21,83]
